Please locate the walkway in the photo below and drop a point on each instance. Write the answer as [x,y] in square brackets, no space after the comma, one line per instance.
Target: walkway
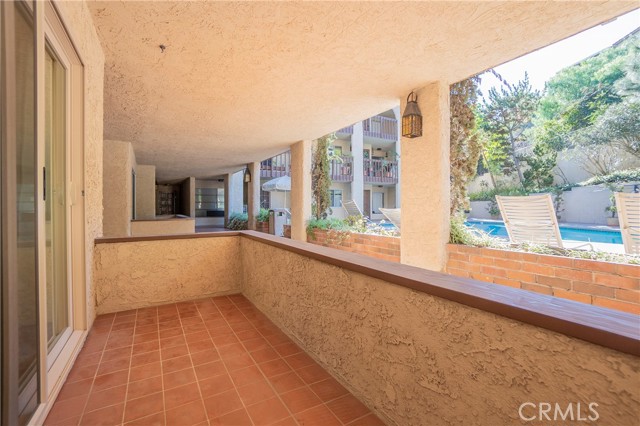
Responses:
[215,361]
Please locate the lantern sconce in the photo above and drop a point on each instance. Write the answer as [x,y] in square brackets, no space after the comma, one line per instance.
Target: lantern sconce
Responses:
[247,175]
[412,118]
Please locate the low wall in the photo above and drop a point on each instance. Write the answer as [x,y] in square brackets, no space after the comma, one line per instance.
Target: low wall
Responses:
[138,273]
[610,285]
[418,359]
[378,246]
[176,226]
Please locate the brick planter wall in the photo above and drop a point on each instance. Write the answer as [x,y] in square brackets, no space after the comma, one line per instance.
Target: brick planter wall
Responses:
[387,248]
[610,285]
[262,227]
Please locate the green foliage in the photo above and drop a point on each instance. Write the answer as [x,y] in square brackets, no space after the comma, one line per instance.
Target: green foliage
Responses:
[263,216]
[504,118]
[493,208]
[464,141]
[629,86]
[238,221]
[321,176]
[539,174]
[490,194]
[459,233]
[620,176]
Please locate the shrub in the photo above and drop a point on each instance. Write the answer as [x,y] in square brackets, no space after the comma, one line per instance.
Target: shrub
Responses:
[490,194]
[263,216]
[238,221]
[620,176]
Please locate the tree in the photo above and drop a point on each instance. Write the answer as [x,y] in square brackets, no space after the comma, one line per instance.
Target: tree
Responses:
[505,116]
[320,176]
[539,174]
[465,146]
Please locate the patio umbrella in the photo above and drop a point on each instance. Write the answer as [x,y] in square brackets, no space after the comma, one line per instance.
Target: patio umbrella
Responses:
[279,184]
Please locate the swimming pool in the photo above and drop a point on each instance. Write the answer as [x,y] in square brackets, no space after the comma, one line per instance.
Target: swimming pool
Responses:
[497,229]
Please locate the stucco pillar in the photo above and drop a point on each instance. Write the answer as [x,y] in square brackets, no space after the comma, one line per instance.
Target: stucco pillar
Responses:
[398,115]
[300,189]
[233,187]
[253,199]
[425,183]
[357,147]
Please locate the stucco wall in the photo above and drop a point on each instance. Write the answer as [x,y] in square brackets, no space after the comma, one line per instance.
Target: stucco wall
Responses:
[79,24]
[119,161]
[420,360]
[147,273]
[163,227]
[145,192]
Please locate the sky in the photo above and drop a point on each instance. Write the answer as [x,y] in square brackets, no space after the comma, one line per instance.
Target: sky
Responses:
[546,62]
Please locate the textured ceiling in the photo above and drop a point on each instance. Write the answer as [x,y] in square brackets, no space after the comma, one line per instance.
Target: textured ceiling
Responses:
[240,81]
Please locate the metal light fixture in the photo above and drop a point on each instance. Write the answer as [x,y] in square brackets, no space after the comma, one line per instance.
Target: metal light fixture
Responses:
[247,175]
[412,118]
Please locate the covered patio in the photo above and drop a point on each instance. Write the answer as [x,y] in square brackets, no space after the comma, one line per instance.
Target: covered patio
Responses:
[244,328]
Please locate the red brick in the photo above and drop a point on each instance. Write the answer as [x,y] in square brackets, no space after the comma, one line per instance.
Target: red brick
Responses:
[521,276]
[496,272]
[593,265]
[459,256]
[538,288]
[508,264]
[578,297]
[456,264]
[617,305]
[507,282]
[566,262]
[481,277]
[554,282]
[481,260]
[618,281]
[632,271]
[628,295]
[516,255]
[592,289]
[452,248]
[538,269]
[574,274]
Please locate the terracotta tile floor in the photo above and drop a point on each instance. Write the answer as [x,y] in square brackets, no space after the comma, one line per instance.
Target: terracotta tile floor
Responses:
[216,361]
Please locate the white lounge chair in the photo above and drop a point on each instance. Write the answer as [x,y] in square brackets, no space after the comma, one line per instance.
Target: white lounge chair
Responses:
[393,215]
[351,208]
[628,206]
[532,219]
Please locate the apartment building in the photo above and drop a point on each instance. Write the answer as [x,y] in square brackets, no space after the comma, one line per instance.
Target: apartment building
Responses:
[364,167]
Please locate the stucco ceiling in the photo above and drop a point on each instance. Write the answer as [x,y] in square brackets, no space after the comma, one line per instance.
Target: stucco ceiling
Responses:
[240,81]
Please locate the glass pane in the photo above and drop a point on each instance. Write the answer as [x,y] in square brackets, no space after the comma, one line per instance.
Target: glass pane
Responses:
[55,201]
[26,214]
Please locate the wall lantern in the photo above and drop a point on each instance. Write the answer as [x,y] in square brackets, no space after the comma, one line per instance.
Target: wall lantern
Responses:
[247,175]
[412,118]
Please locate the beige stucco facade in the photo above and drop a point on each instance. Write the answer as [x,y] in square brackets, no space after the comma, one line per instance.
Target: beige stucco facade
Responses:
[149,273]
[119,166]
[145,192]
[416,359]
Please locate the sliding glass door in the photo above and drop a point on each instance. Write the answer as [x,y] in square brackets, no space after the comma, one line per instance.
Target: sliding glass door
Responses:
[19,237]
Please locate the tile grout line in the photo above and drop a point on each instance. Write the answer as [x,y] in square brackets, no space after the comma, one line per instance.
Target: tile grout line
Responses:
[257,364]
[126,391]
[86,403]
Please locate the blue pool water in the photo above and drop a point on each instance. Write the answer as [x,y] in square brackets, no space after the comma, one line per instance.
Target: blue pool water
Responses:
[497,229]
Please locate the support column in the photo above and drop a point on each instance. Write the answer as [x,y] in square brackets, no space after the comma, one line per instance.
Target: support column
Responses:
[357,147]
[300,189]
[253,199]
[398,115]
[425,177]
[232,195]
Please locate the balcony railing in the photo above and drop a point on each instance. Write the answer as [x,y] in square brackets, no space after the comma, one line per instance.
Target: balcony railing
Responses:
[381,127]
[380,171]
[280,165]
[342,169]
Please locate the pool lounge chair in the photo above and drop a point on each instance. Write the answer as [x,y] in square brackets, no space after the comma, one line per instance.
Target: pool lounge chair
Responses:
[352,208]
[393,215]
[532,219]
[628,206]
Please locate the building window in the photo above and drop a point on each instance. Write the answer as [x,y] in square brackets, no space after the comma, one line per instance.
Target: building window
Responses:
[265,199]
[336,197]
